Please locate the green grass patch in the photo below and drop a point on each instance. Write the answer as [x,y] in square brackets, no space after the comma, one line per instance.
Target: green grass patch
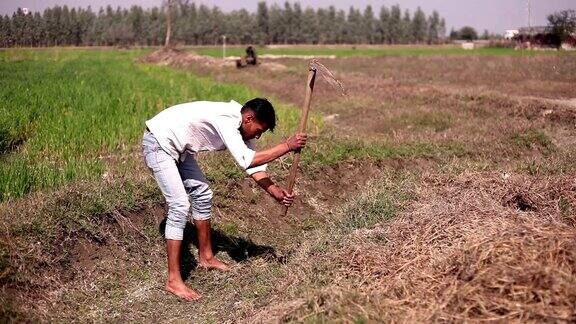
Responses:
[436,121]
[333,151]
[353,51]
[533,138]
[566,209]
[379,201]
[44,225]
[83,209]
[371,207]
[8,313]
[15,132]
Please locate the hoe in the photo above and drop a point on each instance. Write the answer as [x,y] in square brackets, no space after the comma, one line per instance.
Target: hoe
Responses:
[314,67]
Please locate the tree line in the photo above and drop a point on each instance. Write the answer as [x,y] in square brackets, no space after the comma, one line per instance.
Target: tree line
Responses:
[194,24]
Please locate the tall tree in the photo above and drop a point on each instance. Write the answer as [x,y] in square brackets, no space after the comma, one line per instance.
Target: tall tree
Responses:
[136,21]
[4,31]
[419,26]
[218,23]
[263,23]
[169,6]
[203,24]
[66,23]
[454,34]
[98,30]
[384,25]
[354,34]
[296,26]
[156,27]
[240,27]
[323,25]
[85,21]
[433,28]
[442,30]
[75,29]
[37,29]
[369,26]
[341,27]
[18,26]
[563,24]
[335,23]
[189,21]
[310,33]
[277,28]
[286,22]
[181,21]
[407,34]
[467,33]
[395,24]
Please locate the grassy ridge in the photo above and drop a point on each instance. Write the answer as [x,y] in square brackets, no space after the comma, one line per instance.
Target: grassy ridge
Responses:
[350,51]
[62,111]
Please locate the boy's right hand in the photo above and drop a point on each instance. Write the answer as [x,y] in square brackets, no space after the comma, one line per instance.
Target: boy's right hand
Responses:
[297,142]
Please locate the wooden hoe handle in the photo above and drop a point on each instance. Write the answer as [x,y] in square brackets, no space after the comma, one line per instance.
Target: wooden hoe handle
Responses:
[302,129]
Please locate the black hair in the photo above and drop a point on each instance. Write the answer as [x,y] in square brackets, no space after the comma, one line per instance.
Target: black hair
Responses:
[263,111]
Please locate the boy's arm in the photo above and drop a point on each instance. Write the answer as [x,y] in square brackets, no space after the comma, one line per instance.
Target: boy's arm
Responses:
[294,143]
[280,194]
[248,158]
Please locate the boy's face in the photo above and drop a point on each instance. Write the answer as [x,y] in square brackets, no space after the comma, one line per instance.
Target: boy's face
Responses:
[251,127]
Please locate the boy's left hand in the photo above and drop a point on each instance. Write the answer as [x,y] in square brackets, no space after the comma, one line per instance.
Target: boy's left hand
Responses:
[281,195]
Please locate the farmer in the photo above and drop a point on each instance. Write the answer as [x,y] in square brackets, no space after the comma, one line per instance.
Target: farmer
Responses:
[170,144]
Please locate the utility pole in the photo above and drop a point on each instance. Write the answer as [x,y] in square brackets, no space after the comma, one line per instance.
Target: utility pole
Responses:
[529,16]
[223,47]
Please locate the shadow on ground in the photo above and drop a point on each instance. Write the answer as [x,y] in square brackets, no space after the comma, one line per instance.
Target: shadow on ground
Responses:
[238,248]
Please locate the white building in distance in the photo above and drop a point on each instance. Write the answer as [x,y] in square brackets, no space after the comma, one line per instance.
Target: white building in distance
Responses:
[510,33]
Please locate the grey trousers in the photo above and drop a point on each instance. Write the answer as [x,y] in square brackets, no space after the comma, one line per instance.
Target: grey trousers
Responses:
[182,183]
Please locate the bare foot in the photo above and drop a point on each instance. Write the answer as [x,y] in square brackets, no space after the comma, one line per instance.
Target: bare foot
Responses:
[178,288]
[214,263]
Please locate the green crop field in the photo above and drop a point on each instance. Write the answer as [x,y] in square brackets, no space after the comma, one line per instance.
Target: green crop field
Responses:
[63,111]
[353,51]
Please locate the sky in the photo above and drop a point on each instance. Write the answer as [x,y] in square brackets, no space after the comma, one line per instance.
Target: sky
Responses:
[493,15]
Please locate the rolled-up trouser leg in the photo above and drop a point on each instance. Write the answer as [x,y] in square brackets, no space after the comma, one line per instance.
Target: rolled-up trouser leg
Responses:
[196,187]
[167,176]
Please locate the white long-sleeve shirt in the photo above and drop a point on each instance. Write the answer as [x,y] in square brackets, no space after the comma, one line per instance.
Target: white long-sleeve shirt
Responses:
[204,126]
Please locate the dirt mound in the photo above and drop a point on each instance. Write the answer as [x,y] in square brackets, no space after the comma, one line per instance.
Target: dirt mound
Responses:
[476,248]
[180,58]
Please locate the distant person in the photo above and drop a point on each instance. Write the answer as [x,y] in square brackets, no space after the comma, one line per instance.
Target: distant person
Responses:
[171,142]
[249,59]
[251,56]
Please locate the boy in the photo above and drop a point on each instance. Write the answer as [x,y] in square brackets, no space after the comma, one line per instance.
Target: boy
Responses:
[170,143]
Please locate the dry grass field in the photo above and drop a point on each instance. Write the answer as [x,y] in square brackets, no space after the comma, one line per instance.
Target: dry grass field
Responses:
[437,189]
